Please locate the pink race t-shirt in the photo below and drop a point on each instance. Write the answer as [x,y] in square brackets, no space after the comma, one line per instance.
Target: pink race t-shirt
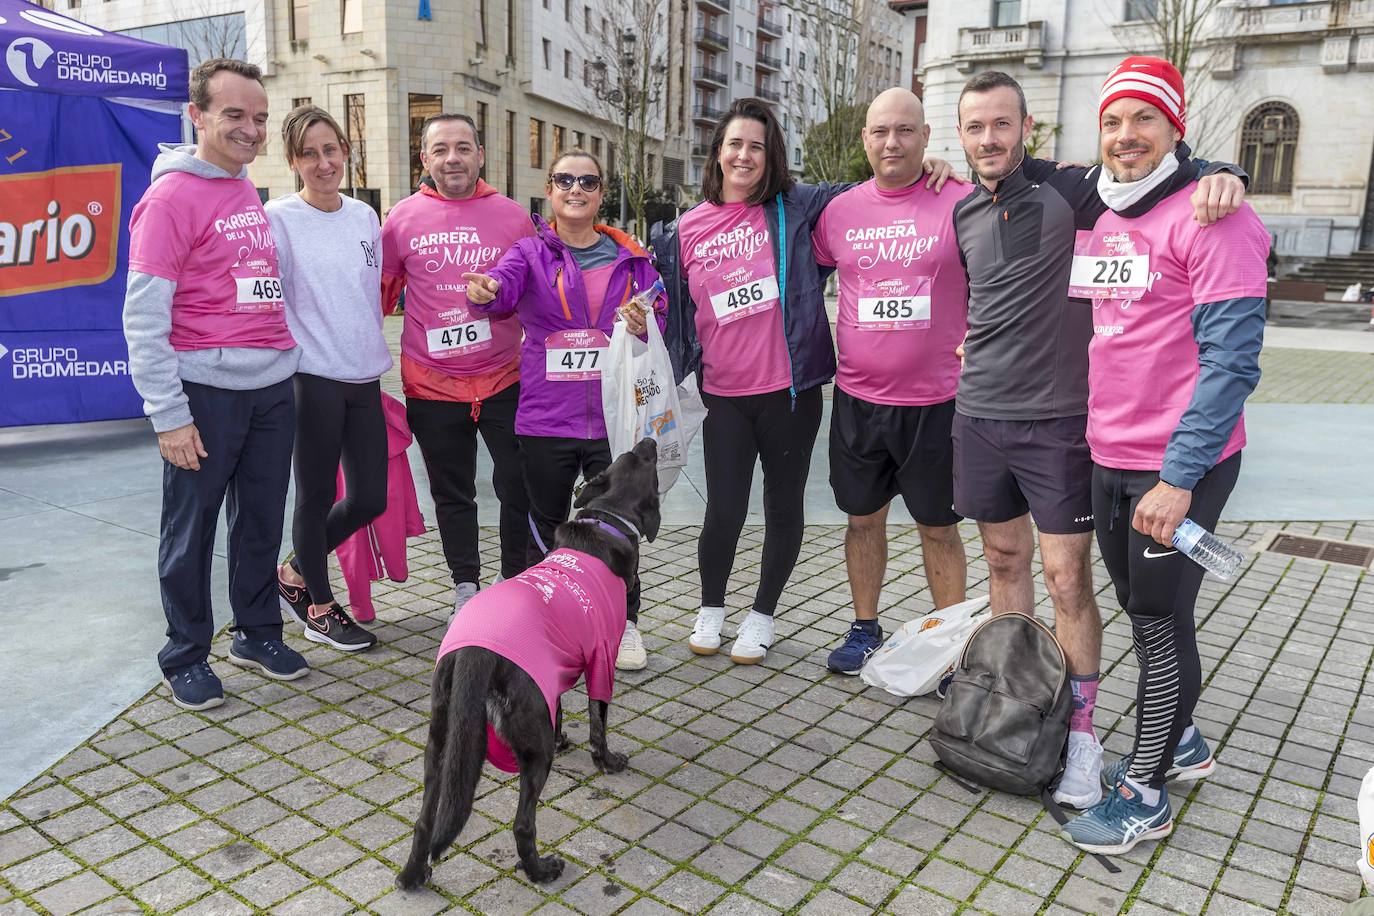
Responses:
[732,274]
[432,242]
[555,621]
[210,236]
[1143,359]
[903,305]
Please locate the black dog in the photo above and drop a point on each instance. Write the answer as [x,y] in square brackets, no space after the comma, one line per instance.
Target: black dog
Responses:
[474,686]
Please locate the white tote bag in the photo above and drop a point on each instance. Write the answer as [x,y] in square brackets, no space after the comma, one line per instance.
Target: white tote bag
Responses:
[915,657]
[639,400]
[1365,806]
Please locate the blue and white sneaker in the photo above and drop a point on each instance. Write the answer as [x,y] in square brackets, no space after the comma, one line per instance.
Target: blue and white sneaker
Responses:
[271,657]
[861,642]
[942,688]
[195,687]
[1116,824]
[1192,760]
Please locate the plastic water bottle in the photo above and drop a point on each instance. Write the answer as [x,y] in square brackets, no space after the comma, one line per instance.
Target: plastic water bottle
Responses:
[1207,550]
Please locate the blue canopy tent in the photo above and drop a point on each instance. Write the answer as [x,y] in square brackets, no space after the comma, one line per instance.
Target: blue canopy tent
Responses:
[81,113]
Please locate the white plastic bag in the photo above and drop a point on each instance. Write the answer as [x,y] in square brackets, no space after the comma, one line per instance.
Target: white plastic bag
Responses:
[915,657]
[639,399]
[1366,810]
[1351,294]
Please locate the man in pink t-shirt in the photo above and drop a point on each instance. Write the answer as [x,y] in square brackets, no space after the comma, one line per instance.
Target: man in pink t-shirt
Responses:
[1178,321]
[555,621]
[903,310]
[211,355]
[460,369]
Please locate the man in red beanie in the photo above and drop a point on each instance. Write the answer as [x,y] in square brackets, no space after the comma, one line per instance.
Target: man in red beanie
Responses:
[1178,321]
[1019,431]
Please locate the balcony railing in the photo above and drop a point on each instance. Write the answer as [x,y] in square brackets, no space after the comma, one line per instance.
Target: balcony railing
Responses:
[768,62]
[710,75]
[768,95]
[1282,20]
[701,150]
[722,6]
[707,112]
[769,26]
[709,36]
[1012,42]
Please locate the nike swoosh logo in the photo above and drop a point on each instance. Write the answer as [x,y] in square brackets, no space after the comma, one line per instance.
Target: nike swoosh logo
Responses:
[1155,556]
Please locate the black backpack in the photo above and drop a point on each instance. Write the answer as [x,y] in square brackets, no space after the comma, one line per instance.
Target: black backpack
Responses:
[1005,721]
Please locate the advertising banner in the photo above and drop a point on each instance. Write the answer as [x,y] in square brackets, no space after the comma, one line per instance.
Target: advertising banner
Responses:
[81,114]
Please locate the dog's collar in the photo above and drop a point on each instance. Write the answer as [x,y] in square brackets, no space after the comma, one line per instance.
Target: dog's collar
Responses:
[631,535]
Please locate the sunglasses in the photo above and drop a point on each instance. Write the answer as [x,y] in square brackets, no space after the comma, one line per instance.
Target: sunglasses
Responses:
[564,181]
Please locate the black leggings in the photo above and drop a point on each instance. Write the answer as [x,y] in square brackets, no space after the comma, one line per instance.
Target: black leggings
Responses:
[738,430]
[335,421]
[1157,587]
[552,465]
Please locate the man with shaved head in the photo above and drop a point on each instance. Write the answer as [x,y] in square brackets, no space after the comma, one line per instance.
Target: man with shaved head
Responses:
[903,310]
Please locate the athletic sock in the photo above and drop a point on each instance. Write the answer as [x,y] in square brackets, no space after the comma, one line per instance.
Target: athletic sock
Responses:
[1188,734]
[1148,795]
[1084,689]
[868,626]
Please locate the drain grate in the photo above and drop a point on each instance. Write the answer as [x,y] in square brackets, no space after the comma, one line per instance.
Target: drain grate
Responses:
[1322,549]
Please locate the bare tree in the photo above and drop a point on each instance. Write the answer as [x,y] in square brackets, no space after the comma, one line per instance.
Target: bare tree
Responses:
[209,35]
[828,96]
[1180,31]
[625,54]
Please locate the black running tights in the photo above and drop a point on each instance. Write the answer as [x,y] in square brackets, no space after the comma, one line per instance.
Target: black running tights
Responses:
[335,421]
[1157,586]
[780,434]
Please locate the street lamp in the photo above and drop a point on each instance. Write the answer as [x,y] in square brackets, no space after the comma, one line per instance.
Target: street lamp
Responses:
[626,96]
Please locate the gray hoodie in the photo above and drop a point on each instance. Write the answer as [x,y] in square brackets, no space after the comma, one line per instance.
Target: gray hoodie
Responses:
[158,370]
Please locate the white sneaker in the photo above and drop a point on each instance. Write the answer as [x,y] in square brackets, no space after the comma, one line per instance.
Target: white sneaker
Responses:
[1081,785]
[462,594]
[705,638]
[631,656]
[753,639]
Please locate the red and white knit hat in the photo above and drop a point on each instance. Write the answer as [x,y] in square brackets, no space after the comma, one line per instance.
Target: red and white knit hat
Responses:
[1150,79]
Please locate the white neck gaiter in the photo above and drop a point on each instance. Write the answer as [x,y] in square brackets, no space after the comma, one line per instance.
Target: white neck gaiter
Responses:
[1122,195]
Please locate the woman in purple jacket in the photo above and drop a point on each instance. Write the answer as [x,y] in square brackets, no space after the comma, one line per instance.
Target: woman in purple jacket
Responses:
[568,284]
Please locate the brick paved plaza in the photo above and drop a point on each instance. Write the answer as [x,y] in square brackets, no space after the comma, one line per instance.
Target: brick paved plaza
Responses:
[776,788]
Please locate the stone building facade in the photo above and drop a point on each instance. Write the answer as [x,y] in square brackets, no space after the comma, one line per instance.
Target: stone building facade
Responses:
[1280,87]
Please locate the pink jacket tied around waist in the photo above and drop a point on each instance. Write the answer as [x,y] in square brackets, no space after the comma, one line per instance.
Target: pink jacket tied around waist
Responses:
[378,549]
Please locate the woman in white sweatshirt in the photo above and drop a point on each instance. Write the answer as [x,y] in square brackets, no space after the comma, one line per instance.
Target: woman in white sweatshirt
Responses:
[329,251]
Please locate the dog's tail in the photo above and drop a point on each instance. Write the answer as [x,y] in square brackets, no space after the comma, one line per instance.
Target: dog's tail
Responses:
[466,747]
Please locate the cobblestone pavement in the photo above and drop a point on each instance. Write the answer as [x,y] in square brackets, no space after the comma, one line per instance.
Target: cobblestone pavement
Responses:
[750,789]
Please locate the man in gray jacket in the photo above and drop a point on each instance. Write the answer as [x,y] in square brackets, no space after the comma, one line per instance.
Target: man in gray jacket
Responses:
[212,357]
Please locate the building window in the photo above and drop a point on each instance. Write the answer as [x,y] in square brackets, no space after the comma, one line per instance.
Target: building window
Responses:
[567,10]
[579,140]
[1006,12]
[481,24]
[536,143]
[300,20]
[355,117]
[796,156]
[352,16]
[510,31]
[558,134]
[482,135]
[510,154]
[548,50]
[1268,145]
[567,65]
[587,20]
[596,147]
[537,205]
[300,100]
[422,106]
[1141,10]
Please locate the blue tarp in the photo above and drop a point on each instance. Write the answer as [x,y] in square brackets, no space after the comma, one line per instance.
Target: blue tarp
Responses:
[81,113]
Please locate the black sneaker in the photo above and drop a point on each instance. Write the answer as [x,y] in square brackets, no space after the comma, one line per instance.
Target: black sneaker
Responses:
[335,628]
[294,598]
[272,657]
[195,687]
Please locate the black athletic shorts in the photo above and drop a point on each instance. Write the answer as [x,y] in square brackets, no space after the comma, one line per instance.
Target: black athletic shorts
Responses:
[1004,468]
[880,450]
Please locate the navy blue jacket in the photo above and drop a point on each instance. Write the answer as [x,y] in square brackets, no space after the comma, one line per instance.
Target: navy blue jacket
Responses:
[805,323]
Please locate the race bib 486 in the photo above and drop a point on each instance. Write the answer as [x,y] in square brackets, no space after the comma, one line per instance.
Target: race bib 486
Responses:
[746,299]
